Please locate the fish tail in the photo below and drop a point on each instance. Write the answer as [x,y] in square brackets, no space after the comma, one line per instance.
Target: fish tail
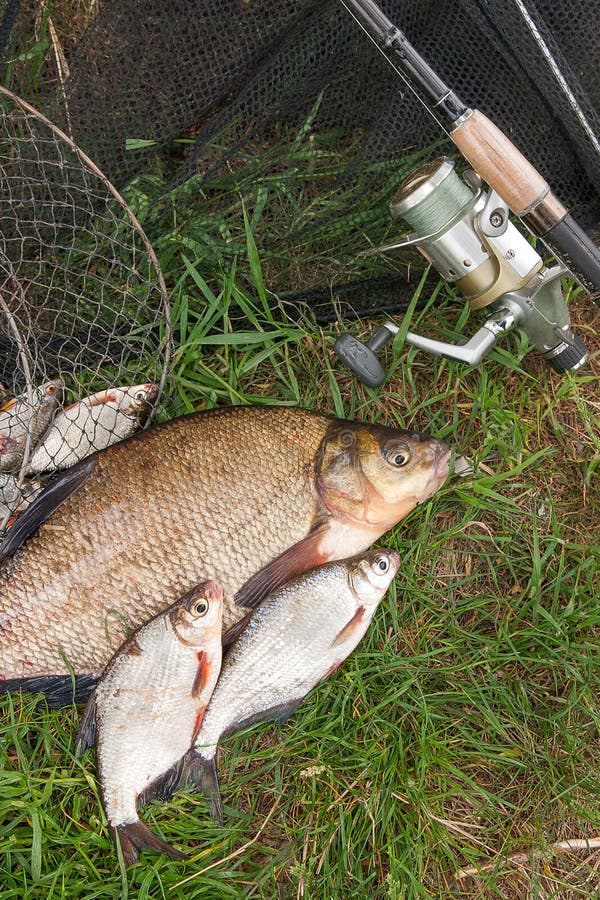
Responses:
[136,836]
[201,772]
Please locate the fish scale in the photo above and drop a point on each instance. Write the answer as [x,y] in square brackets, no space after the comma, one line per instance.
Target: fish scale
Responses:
[218,495]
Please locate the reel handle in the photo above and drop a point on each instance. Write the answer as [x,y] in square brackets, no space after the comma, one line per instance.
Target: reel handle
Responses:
[362,358]
[471,353]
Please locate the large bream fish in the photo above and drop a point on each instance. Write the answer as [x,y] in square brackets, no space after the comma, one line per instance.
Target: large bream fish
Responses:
[246,496]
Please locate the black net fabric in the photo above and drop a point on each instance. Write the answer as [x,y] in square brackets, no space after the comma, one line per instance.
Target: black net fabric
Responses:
[230,69]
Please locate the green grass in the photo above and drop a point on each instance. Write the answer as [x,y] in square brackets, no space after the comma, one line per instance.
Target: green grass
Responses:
[463,732]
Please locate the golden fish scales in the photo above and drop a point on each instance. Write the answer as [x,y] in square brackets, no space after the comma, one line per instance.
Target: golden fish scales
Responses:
[218,495]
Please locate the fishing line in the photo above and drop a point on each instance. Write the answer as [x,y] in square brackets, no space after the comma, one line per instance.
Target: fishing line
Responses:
[558,75]
[398,71]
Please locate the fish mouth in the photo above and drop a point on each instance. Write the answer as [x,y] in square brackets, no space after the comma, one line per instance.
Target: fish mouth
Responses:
[442,456]
[151,392]
[212,591]
[394,560]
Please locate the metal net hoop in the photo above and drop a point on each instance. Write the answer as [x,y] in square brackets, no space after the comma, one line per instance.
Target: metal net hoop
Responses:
[84,310]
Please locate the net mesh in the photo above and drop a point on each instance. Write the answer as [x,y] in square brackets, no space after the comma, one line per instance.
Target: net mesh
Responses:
[117,71]
[84,336]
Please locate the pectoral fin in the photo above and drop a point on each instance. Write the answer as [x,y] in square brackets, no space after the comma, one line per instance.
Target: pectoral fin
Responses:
[298,559]
[44,505]
[203,673]
[353,626]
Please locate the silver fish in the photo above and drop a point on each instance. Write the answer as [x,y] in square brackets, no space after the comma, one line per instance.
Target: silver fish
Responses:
[91,424]
[297,637]
[147,709]
[21,417]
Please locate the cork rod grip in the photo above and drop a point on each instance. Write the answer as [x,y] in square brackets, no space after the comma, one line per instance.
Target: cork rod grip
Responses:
[496,159]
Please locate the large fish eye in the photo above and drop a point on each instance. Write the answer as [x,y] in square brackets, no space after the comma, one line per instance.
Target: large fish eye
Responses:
[199,607]
[382,564]
[396,454]
[140,395]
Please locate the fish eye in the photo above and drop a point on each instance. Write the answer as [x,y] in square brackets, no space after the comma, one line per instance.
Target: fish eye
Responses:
[382,563]
[397,455]
[140,395]
[200,607]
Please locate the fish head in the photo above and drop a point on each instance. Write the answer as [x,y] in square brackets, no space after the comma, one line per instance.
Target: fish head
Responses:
[197,616]
[370,575]
[51,395]
[138,401]
[374,476]
[46,402]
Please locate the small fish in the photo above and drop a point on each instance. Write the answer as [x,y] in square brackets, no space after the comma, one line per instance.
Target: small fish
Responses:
[91,424]
[147,709]
[21,417]
[296,638]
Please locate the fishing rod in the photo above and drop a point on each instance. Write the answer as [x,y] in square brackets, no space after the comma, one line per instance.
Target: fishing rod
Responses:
[466,232]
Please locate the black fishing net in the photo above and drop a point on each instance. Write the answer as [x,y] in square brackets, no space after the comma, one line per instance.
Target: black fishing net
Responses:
[117,71]
[125,79]
[191,97]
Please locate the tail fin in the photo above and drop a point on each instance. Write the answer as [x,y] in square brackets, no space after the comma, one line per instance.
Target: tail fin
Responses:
[136,836]
[201,772]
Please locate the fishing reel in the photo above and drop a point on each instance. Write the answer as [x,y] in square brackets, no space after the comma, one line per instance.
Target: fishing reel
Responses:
[467,235]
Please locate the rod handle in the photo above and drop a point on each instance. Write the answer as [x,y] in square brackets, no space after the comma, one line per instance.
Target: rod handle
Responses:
[496,159]
[575,250]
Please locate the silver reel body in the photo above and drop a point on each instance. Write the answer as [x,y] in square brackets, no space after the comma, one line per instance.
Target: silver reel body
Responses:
[468,237]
